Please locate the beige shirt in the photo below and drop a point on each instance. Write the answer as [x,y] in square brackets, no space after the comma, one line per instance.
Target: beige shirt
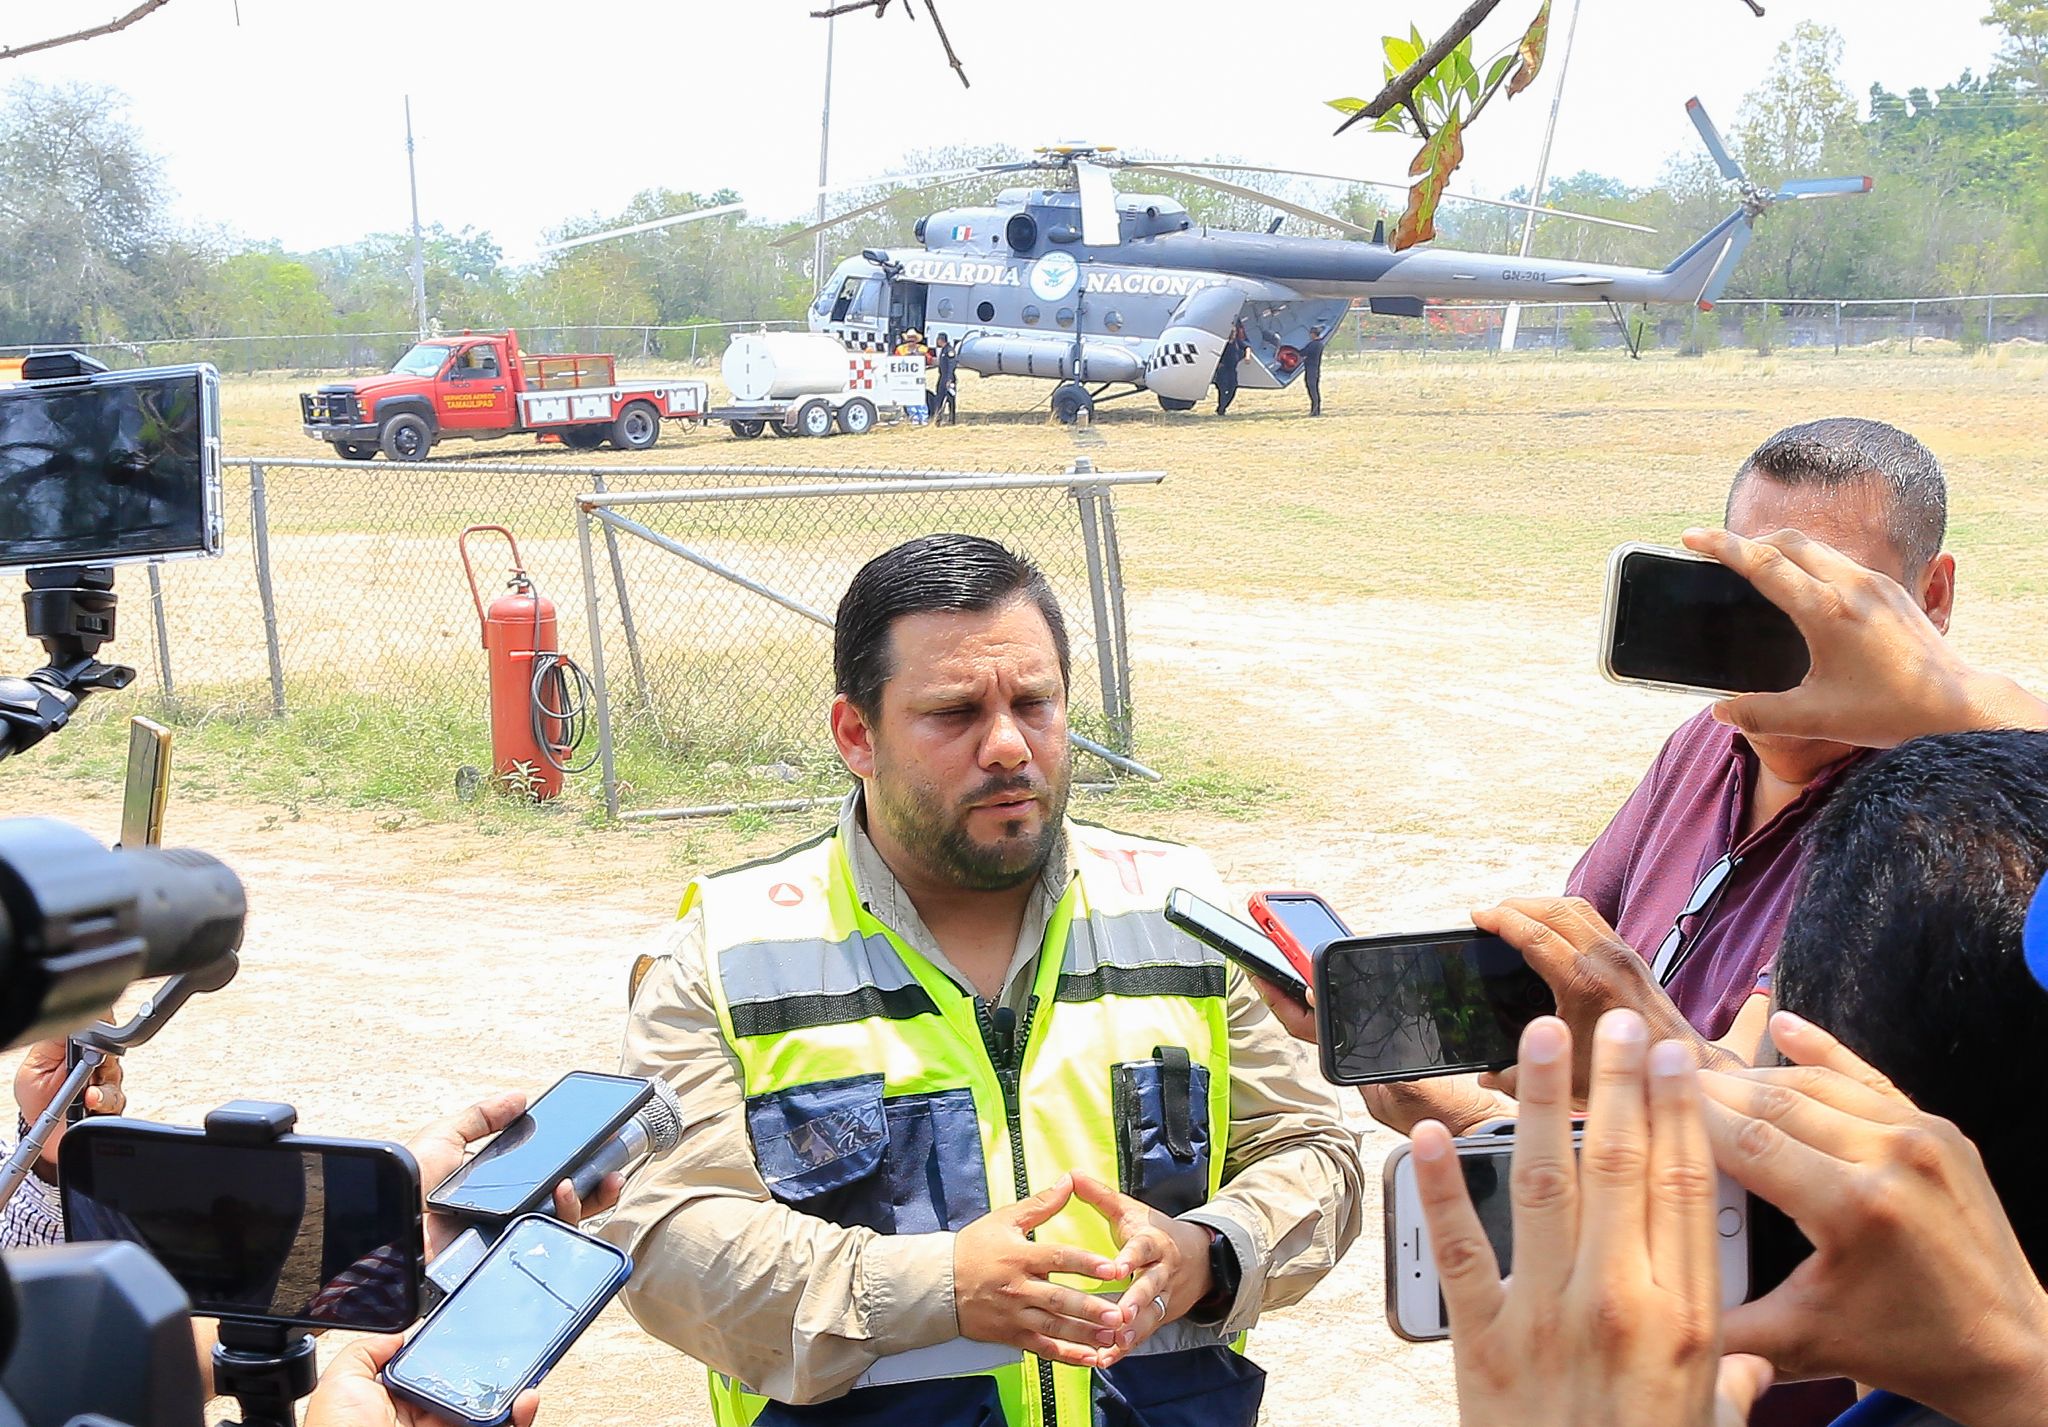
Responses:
[797,1307]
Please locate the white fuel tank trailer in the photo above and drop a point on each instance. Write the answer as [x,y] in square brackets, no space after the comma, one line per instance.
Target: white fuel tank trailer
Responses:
[776,366]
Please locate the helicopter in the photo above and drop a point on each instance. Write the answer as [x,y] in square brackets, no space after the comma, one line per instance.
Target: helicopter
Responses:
[1112,295]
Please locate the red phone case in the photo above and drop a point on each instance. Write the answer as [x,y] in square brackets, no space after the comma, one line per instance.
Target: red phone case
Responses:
[1298,956]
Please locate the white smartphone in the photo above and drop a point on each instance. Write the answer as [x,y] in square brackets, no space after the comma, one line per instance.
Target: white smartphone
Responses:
[1415,1302]
[1676,620]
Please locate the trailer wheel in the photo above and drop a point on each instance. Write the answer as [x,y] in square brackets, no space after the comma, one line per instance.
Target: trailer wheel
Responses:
[584,438]
[857,417]
[637,428]
[355,450]
[1070,401]
[405,437]
[747,430]
[776,428]
[814,418]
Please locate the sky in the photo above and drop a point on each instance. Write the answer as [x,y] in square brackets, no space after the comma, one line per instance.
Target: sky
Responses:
[283,120]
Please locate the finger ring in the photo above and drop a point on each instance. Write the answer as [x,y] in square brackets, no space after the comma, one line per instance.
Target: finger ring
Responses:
[1159,1302]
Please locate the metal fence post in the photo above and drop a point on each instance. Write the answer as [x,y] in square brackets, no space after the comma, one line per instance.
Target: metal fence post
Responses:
[1113,569]
[1085,497]
[1838,329]
[693,346]
[604,702]
[1912,325]
[163,634]
[259,525]
[1990,319]
[611,542]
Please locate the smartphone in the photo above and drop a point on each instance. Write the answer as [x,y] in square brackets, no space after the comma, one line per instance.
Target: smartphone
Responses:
[148,785]
[299,1230]
[1299,923]
[1676,620]
[512,1319]
[517,1172]
[110,469]
[1415,1303]
[1242,943]
[1411,1006]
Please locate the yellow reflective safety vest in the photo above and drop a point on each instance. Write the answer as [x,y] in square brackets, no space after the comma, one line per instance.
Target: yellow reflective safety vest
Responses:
[880,1094]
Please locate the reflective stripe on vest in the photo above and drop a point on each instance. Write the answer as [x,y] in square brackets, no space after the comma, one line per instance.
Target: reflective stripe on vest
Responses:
[868,1078]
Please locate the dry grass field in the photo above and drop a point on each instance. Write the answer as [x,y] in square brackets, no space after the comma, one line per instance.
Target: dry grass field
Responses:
[1373,633]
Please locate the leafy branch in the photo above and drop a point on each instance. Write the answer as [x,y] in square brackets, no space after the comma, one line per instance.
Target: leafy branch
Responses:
[1434,90]
[118,23]
[881,8]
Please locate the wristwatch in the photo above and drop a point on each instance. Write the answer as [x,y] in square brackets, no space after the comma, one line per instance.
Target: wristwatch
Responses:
[1226,1276]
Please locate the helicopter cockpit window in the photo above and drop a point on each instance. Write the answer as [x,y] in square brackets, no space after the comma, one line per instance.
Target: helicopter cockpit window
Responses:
[848,291]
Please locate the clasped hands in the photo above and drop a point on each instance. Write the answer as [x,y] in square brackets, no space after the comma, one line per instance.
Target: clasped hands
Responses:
[1003,1288]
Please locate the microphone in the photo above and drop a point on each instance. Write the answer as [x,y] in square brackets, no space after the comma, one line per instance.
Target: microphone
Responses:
[656,1129]
[2035,938]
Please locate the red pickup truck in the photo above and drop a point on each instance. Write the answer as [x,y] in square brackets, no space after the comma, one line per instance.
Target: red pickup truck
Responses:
[480,386]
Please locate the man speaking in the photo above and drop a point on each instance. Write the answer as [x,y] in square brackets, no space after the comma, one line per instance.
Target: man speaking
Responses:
[971,1135]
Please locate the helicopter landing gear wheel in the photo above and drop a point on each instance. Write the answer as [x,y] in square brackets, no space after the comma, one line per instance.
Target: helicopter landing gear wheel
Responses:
[1070,402]
[1175,403]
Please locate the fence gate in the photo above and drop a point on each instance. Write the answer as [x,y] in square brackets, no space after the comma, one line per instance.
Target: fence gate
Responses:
[720,600]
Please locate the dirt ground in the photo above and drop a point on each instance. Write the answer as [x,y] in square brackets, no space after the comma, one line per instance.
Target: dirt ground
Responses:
[1392,611]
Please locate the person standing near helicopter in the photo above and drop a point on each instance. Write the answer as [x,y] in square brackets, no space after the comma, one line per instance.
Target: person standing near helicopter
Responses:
[1235,349]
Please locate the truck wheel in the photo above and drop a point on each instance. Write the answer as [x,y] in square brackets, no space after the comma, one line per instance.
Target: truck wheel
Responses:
[776,428]
[857,417]
[584,438]
[405,438]
[1175,403]
[747,430]
[1070,400]
[355,450]
[814,418]
[637,428]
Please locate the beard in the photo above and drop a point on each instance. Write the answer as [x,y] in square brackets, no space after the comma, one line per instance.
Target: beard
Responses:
[935,833]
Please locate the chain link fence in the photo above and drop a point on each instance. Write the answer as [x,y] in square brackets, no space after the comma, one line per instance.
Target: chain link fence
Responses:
[723,599]
[340,599]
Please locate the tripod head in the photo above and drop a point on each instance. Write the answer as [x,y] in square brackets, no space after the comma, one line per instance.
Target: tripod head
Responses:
[70,611]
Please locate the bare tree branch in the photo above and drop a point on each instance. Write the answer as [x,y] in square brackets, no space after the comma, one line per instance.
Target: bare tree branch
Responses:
[931,8]
[881,8]
[1400,90]
[119,22]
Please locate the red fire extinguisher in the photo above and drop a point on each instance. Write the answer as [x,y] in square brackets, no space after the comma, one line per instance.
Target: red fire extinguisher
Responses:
[536,720]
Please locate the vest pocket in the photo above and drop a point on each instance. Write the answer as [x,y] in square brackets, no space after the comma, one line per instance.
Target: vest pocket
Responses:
[1161,1108]
[943,1402]
[1199,1387]
[840,1150]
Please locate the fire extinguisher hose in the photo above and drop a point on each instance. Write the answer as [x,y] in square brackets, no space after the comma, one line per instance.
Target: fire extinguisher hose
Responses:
[561,697]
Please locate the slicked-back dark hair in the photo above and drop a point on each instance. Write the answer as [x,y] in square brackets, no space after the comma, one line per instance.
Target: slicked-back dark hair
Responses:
[963,573]
[1905,941]
[1847,450]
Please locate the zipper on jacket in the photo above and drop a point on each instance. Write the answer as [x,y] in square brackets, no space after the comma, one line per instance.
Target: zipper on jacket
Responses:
[1005,1040]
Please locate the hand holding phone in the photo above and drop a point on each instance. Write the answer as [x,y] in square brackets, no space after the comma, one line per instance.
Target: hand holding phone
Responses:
[517,1172]
[1243,944]
[541,1285]
[1638,1239]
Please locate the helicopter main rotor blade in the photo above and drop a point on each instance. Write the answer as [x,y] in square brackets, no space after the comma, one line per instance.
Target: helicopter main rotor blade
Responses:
[1824,187]
[1099,225]
[1697,112]
[1542,210]
[1240,191]
[648,227]
[866,208]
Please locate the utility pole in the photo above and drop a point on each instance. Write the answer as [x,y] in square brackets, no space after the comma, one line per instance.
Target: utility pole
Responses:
[419,251]
[824,154]
[1513,319]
